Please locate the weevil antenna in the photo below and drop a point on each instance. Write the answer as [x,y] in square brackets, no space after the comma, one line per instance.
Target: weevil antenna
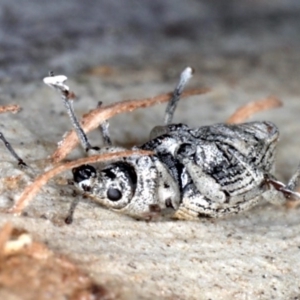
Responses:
[12,151]
[185,76]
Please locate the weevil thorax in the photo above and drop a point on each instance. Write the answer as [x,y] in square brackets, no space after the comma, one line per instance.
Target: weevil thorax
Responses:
[137,186]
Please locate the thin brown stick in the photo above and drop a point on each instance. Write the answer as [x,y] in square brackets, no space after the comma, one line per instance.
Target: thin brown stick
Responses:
[97,116]
[246,111]
[32,189]
[9,108]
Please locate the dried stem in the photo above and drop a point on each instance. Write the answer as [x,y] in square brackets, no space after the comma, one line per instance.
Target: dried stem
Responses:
[97,116]
[31,190]
[246,111]
[10,108]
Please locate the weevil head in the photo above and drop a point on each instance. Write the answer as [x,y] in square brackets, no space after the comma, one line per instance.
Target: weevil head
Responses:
[84,176]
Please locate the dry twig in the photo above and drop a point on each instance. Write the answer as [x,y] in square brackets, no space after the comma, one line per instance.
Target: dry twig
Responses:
[31,190]
[9,108]
[246,111]
[97,116]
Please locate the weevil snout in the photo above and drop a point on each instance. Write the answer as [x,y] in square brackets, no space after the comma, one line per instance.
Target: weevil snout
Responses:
[83,172]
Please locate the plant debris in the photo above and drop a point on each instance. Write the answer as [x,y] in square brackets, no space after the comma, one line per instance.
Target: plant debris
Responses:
[248,110]
[29,270]
[10,108]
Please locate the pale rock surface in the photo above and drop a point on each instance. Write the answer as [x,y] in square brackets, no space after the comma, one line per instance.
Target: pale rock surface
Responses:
[254,255]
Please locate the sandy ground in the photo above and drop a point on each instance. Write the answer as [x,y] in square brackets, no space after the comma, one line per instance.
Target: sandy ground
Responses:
[254,255]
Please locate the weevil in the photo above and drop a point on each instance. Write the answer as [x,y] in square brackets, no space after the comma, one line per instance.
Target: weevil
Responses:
[210,171]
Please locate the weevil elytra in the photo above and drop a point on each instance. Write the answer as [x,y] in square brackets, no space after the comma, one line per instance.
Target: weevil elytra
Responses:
[211,171]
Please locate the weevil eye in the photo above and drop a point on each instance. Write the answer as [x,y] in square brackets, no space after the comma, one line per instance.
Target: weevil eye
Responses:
[118,182]
[83,172]
[114,194]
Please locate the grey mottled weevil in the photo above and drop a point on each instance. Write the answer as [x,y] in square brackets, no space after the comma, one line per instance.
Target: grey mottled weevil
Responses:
[211,171]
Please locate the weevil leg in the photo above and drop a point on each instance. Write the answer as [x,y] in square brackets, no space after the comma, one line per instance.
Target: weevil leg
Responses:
[105,131]
[287,191]
[58,83]
[185,76]
[12,151]
[68,102]
[293,182]
[70,216]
